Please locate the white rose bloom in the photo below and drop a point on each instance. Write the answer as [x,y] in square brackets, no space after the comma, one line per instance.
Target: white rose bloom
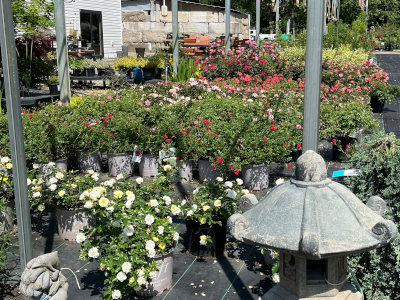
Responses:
[149,219]
[41,207]
[150,245]
[61,193]
[279,181]
[88,204]
[35,166]
[53,180]
[51,164]
[203,240]
[151,253]
[59,175]
[126,267]
[103,202]
[121,276]
[129,230]
[189,213]
[84,195]
[160,229]
[116,224]
[219,179]
[153,203]
[95,194]
[139,180]
[169,219]
[95,177]
[228,184]
[244,191]
[194,206]
[93,252]
[110,208]
[141,280]
[36,195]
[53,187]
[231,194]
[183,202]
[131,197]
[28,181]
[217,203]
[239,181]
[116,294]
[80,237]
[140,272]
[5,159]
[90,172]
[153,274]
[175,237]
[128,204]
[196,190]
[175,210]
[120,176]
[167,200]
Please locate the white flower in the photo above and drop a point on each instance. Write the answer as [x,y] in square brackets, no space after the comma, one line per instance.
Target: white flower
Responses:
[140,272]
[116,294]
[279,181]
[95,194]
[228,184]
[53,187]
[120,176]
[131,197]
[139,180]
[275,278]
[80,237]
[90,172]
[88,204]
[59,175]
[160,229]
[51,164]
[153,274]
[244,192]
[183,202]
[141,280]
[217,203]
[41,207]
[5,159]
[169,219]
[36,195]
[175,210]
[149,219]
[116,224]
[128,204]
[93,252]
[84,195]
[121,276]
[203,240]
[129,230]
[150,245]
[194,206]
[118,194]
[231,194]
[196,190]
[153,203]
[219,179]
[103,202]
[167,200]
[189,213]
[151,253]
[28,181]
[61,193]
[126,267]
[206,207]
[35,166]
[175,236]
[95,177]
[110,208]
[239,181]
[53,180]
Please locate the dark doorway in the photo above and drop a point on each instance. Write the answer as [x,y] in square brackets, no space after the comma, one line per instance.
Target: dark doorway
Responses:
[92,31]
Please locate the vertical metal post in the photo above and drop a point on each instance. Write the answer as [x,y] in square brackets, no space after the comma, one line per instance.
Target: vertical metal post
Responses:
[227,25]
[338,25]
[258,16]
[315,24]
[175,45]
[9,59]
[62,51]
[277,17]
[366,17]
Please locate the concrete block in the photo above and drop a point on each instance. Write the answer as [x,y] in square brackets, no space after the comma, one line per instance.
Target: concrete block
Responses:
[195,28]
[154,37]
[203,16]
[132,37]
[135,16]
[183,17]
[221,17]
[160,27]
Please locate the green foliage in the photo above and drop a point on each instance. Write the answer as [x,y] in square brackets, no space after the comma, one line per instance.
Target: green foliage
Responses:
[377,156]
[186,69]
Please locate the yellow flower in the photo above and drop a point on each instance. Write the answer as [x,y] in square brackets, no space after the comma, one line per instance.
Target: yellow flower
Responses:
[161,246]
[118,194]
[167,168]
[41,207]
[206,207]
[9,166]
[202,220]
[155,239]
[217,203]
[104,202]
[173,207]
[73,185]
[61,193]
[131,280]
[5,179]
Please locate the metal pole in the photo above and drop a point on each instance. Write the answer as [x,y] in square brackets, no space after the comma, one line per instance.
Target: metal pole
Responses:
[315,24]
[175,45]
[366,17]
[227,25]
[338,25]
[13,101]
[258,16]
[277,17]
[62,51]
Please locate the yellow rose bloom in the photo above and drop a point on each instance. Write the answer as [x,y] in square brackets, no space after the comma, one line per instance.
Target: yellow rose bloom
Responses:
[5,179]
[202,220]
[155,239]
[217,203]
[9,166]
[131,280]
[161,246]
[206,207]
[118,194]
[104,202]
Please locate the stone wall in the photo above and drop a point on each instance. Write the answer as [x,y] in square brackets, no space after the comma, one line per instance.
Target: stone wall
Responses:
[150,30]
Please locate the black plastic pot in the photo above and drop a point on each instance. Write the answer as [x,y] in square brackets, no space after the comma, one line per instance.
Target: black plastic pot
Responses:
[53,88]
[104,72]
[149,73]
[376,104]
[217,233]
[78,72]
[90,72]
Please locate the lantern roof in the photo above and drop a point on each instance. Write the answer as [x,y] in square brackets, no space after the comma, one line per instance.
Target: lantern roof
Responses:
[313,216]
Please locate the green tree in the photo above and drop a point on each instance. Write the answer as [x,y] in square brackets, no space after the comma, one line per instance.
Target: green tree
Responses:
[33,17]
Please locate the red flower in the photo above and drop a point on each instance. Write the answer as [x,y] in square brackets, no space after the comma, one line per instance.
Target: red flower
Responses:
[178,158]
[265,138]
[87,124]
[168,140]
[347,146]
[289,166]
[272,127]
[219,160]
[334,140]
[84,117]
[165,136]
[298,146]
[214,167]
[30,116]
[216,135]
[109,115]
[281,125]
[236,172]
[231,166]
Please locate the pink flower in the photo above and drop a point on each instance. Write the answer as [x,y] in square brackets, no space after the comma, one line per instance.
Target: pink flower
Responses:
[195,122]
[147,103]
[59,103]
[117,100]
[298,126]
[109,97]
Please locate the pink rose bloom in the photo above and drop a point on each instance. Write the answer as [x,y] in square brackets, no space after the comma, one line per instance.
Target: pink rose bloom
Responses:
[117,100]
[147,103]
[59,103]
[109,97]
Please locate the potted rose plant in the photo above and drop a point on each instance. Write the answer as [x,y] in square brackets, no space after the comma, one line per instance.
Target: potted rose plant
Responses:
[6,194]
[134,236]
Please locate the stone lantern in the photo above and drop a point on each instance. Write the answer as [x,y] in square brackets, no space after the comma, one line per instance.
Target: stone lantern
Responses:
[315,224]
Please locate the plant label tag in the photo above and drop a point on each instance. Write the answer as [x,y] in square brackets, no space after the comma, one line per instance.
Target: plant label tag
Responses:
[137,155]
[343,173]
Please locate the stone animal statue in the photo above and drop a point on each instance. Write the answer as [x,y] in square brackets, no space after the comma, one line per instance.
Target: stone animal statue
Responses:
[42,278]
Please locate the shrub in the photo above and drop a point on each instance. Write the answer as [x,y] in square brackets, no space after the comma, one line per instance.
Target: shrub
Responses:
[378,156]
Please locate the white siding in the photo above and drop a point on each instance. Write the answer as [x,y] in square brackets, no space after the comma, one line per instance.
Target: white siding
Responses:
[111,17]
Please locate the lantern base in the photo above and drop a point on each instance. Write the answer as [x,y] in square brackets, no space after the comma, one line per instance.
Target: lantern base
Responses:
[280,293]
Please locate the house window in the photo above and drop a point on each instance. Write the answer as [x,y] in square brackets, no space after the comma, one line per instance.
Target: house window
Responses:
[92,31]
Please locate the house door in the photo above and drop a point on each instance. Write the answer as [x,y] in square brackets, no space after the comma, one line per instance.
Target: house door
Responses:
[92,31]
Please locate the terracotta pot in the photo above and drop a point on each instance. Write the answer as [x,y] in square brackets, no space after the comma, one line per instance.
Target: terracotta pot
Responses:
[148,166]
[217,234]
[70,221]
[186,170]
[163,281]
[206,171]
[7,217]
[85,162]
[119,163]
[256,177]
